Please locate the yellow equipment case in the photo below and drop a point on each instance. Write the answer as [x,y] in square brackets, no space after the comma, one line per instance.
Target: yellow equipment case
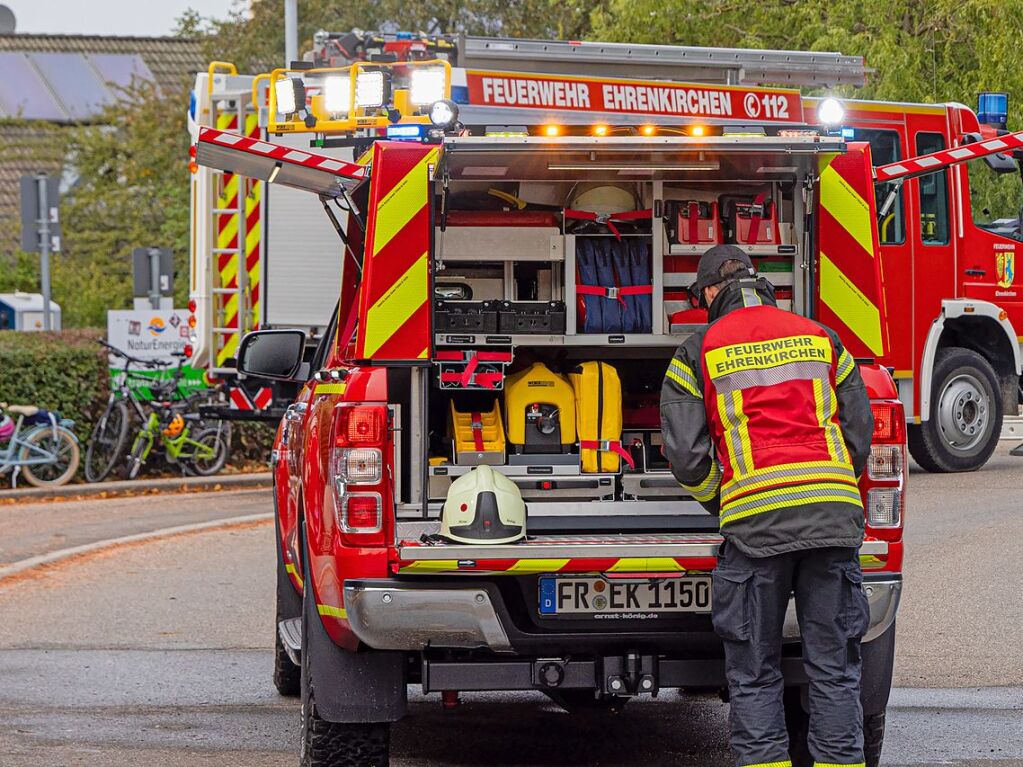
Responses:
[598,407]
[539,409]
[478,436]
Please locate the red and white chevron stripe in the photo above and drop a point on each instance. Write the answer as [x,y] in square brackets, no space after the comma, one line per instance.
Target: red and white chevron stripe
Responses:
[260,148]
[240,400]
[929,163]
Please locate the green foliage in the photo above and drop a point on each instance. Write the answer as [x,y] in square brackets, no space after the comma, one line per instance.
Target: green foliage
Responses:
[64,371]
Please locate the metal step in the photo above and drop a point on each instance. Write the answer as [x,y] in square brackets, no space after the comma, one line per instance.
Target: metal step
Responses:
[1012,427]
[290,632]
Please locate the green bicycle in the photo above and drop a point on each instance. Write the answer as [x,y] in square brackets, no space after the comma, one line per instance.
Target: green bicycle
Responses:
[202,454]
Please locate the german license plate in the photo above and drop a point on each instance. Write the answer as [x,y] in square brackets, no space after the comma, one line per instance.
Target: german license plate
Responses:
[624,596]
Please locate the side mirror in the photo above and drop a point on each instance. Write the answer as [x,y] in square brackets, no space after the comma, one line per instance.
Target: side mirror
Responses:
[274,354]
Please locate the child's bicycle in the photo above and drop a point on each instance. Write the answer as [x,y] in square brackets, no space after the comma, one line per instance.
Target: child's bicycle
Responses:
[39,445]
[202,452]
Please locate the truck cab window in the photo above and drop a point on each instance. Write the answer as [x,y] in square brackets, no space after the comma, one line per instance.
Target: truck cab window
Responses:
[885,148]
[995,199]
[933,191]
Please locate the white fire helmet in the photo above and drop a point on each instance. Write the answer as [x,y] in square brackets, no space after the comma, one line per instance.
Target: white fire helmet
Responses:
[602,198]
[483,506]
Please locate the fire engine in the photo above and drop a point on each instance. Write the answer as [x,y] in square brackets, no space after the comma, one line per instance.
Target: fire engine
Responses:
[512,255]
[948,320]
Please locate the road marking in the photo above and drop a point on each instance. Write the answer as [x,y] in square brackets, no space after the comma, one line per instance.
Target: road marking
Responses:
[41,560]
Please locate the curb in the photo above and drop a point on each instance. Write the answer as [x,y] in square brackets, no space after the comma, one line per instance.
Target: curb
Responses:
[23,565]
[139,487]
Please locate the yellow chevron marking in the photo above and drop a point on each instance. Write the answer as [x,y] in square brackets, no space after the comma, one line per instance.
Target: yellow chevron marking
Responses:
[293,572]
[847,207]
[647,565]
[333,612]
[403,202]
[846,300]
[395,306]
[537,566]
[430,566]
[333,388]
[229,349]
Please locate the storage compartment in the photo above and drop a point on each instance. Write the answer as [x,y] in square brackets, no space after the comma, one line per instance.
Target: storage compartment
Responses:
[524,317]
[465,316]
[478,436]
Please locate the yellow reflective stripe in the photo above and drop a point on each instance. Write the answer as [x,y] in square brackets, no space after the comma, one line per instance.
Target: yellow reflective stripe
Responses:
[771,353]
[750,298]
[646,565]
[852,307]
[430,566]
[763,484]
[707,489]
[837,764]
[293,571]
[333,612]
[823,418]
[800,466]
[784,505]
[683,370]
[394,307]
[743,429]
[403,202]
[786,763]
[728,429]
[790,490]
[332,388]
[537,566]
[686,386]
[845,367]
[847,207]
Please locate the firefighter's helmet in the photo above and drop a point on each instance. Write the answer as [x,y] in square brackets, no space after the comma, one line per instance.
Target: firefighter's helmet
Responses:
[483,506]
[602,198]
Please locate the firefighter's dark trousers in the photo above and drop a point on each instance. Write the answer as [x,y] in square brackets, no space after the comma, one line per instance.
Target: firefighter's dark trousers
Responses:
[750,596]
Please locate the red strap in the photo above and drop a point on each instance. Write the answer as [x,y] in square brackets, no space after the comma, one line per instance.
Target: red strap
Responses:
[608,446]
[758,213]
[614,292]
[470,368]
[636,290]
[447,355]
[477,430]
[694,222]
[486,380]
[608,219]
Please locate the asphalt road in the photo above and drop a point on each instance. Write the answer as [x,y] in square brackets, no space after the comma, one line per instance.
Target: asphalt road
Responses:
[159,653]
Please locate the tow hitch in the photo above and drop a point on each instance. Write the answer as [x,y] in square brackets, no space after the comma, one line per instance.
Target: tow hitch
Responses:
[630,674]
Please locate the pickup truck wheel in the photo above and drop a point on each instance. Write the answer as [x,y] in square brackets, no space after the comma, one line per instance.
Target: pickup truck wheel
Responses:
[335,744]
[287,676]
[966,414]
[797,721]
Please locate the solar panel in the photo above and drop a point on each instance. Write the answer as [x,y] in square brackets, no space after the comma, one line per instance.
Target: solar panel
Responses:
[74,82]
[119,69]
[23,93]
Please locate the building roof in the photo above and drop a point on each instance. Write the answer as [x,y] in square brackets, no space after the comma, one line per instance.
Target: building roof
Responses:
[169,58]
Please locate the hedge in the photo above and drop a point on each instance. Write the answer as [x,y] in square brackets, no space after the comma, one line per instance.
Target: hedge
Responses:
[69,372]
[63,371]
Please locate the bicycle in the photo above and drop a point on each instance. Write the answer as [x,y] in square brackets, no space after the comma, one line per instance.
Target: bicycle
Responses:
[203,455]
[109,436]
[46,454]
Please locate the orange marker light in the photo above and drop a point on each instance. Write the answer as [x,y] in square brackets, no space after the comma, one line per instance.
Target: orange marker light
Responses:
[697,130]
[601,130]
[193,167]
[648,130]
[551,130]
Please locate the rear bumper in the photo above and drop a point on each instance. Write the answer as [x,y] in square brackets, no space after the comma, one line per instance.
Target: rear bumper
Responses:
[392,615]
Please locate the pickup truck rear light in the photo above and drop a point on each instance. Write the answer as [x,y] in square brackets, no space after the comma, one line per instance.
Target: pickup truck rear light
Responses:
[889,424]
[361,425]
[884,507]
[361,513]
[360,465]
[885,462]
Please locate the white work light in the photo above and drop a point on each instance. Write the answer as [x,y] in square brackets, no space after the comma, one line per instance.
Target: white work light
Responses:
[830,111]
[426,86]
[337,94]
[444,113]
[290,95]
[369,89]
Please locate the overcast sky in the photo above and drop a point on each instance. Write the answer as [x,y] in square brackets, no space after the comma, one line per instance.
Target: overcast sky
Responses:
[108,17]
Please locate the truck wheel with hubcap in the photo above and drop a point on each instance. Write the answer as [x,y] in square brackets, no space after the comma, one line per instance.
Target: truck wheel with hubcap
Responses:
[966,414]
[334,744]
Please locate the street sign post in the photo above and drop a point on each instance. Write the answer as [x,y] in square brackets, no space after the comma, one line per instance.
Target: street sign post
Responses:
[40,227]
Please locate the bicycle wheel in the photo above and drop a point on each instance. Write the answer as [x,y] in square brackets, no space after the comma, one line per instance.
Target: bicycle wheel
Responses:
[107,442]
[215,443]
[62,445]
[137,456]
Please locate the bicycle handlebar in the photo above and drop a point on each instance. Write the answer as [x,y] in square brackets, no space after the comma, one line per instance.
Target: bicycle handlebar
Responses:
[124,355]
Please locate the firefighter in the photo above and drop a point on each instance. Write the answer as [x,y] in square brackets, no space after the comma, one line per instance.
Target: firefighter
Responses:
[767,423]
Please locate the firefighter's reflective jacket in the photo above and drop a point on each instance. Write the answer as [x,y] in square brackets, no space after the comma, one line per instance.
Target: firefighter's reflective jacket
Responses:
[767,423]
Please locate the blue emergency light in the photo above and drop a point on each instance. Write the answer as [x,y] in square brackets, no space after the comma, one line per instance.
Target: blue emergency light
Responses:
[993,108]
[405,132]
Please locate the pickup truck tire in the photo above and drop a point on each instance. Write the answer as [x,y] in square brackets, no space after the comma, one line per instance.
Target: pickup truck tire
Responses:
[966,414]
[287,676]
[333,744]
[797,721]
